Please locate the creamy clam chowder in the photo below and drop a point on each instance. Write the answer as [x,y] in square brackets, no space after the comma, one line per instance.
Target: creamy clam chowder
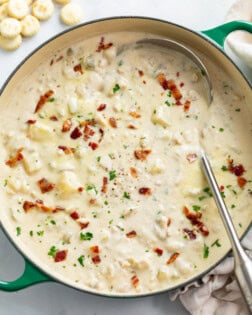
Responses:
[100,165]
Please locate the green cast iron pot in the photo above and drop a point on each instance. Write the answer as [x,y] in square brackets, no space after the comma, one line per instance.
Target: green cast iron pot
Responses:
[209,42]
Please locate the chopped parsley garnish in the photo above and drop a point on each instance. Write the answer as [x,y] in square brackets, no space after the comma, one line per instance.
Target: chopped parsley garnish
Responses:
[5,183]
[238,110]
[18,230]
[126,195]
[205,251]
[221,129]
[196,208]
[40,233]
[168,103]
[106,202]
[201,198]
[31,233]
[207,190]
[98,159]
[240,225]
[112,175]
[81,260]
[224,168]
[52,99]
[216,243]
[52,252]
[116,88]
[86,236]
[53,222]
[233,206]
[90,187]
[223,194]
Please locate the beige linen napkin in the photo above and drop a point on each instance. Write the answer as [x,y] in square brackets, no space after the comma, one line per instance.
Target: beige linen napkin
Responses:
[217,293]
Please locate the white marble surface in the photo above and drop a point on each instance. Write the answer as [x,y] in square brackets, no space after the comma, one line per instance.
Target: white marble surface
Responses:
[53,298]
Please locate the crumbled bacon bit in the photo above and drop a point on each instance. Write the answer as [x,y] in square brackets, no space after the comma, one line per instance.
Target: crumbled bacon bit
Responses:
[53,118]
[101,131]
[202,228]
[27,205]
[178,103]
[88,132]
[133,172]
[172,258]
[31,121]
[174,90]
[103,46]
[162,81]
[66,150]
[60,255]
[80,189]
[191,157]
[45,186]
[238,169]
[90,122]
[177,74]
[221,188]
[168,222]
[135,281]
[83,225]
[76,133]
[131,126]
[112,122]
[67,124]
[43,99]
[92,201]
[93,145]
[141,73]
[78,68]
[131,234]
[134,114]
[145,191]
[158,251]
[39,204]
[187,105]
[144,82]
[194,218]
[95,249]
[15,159]
[104,185]
[96,259]
[101,107]
[191,233]
[142,154]
[190,215]
[181,84]
[241,181]
[74,215]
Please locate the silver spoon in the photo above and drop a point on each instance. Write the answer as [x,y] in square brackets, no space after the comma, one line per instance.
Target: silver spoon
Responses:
[171,44]
[242,263]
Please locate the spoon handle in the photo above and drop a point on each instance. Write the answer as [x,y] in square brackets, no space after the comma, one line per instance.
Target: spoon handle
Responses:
[243,264]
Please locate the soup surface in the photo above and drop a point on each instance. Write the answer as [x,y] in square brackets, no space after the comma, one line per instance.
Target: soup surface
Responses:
[100,165]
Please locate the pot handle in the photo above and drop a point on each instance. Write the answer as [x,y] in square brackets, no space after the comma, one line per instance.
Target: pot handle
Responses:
[30,276]
[219,33]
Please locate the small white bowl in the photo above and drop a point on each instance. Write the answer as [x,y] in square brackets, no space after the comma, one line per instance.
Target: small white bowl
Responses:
[240,42]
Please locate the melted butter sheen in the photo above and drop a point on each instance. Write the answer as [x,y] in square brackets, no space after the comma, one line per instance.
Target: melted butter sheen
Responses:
[101,161]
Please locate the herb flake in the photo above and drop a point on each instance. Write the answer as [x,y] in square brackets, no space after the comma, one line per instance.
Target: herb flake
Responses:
[86,236]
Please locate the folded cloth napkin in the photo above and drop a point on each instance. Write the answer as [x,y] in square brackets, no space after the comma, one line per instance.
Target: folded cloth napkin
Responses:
[217,293]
